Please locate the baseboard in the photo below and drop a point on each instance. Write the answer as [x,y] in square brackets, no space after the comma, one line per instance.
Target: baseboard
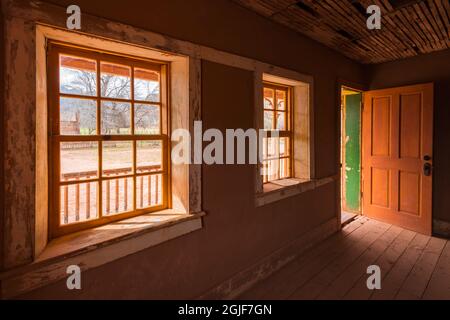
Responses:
[441,228]
[244,280]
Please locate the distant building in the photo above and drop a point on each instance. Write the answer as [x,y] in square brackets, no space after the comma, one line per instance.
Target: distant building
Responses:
[71,126]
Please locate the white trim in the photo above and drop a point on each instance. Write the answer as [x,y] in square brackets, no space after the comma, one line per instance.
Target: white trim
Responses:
[296,187]
[288,82]
[185,99]
[303,113]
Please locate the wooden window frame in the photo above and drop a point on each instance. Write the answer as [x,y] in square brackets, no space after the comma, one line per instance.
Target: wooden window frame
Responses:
[54,49]
[287,133]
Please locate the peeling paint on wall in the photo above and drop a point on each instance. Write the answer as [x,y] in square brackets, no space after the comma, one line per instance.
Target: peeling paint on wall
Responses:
[20,143]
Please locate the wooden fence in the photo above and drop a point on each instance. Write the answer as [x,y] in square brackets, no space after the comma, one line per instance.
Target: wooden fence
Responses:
[79,200]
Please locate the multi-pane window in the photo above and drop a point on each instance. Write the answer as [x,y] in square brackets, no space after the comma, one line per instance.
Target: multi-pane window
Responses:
[108,137]
[277,147]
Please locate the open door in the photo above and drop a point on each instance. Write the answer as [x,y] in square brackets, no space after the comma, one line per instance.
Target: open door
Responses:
[398,155]
[351,101]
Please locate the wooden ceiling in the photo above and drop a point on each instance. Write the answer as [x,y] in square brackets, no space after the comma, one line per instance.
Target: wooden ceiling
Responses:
[408,27]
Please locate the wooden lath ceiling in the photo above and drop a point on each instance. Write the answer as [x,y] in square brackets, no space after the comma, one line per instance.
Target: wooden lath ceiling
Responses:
[408,27]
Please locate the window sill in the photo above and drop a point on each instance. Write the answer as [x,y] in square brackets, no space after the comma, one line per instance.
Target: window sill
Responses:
[281,189]
[95,247]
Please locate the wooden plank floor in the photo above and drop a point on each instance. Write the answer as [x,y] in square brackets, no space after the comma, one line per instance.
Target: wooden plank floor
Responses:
[347,217]
[413,266]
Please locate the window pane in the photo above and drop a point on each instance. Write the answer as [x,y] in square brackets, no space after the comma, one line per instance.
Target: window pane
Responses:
[117,158]
[79,160]
[77,116]
[264,148]
[146,119]
[116,117]
[78,202]
[274,167]
[281,100]
[149,156]
[284,168]
[284,147]
[268,98]
[272,148]
[146,85]
[115,81]
[77,76]
[281,120]
[149,191]
[265,171]
[268,148]
[268,120]
[117,196]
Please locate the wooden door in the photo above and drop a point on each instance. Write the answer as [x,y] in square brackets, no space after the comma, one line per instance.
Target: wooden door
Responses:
[398,155]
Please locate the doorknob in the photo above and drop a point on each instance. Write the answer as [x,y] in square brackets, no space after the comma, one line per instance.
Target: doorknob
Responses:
[427,169]
[426,157]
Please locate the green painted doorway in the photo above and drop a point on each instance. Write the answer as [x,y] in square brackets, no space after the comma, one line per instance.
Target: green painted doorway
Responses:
[350,152]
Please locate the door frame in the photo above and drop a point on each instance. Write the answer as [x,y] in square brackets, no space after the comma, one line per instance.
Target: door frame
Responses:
[343,153]
[357,87]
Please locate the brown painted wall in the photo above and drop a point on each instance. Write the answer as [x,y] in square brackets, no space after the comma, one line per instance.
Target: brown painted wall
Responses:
[434,67]
[236,234]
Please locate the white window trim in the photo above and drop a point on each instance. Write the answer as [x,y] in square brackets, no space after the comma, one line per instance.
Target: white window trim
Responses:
[184,98]
[303,129]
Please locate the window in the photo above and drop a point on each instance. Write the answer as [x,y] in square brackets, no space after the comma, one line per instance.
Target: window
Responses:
[277,150]
[109,141]
[284,111]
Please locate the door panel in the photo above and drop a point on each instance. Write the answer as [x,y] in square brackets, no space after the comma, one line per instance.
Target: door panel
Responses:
[410,124]
[381,112]
[409,186]
[380,187]
[397,135]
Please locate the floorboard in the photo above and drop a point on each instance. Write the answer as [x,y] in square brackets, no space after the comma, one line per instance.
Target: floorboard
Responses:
[343,283]
[318,283]
[413,266]
[395,278]
[386,261]
[417,281]
[439,286]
